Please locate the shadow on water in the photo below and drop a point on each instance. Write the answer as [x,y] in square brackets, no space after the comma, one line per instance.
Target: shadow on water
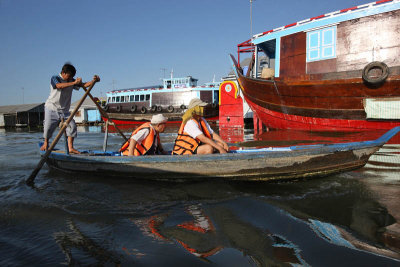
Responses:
[101,221]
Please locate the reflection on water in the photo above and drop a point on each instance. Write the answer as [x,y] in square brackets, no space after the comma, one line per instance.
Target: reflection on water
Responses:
[344,220]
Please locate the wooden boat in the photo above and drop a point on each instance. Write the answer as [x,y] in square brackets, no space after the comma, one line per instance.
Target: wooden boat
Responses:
[337,71]
[250,164]
[135,105]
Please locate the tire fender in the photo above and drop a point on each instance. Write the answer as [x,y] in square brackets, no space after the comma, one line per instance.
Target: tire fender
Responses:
[375,80]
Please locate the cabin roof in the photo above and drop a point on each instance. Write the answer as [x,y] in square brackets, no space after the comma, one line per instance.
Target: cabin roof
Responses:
[12,109]
[327,19]
[88,103]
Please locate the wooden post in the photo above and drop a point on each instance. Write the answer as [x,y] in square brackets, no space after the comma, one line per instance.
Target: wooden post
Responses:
[260,126]
[31,178]
[105,138]
[255,123]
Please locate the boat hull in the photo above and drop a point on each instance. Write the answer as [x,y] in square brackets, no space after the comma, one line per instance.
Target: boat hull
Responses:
[319,105]
[267,167]
[280,120]
[268,164]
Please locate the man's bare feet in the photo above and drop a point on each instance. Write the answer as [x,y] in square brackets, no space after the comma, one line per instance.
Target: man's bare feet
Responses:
[74,151]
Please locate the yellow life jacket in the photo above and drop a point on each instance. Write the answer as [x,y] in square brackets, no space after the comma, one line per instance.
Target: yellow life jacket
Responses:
[147,144]
[187,145]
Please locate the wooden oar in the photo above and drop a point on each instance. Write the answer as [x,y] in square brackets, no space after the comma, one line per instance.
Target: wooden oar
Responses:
[105,115]
[31,178]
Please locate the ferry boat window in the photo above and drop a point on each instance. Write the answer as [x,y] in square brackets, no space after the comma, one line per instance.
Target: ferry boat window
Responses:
[109,99]
[131,98]
[113,99]
[321,44]
[136,97]
[141,97]
[117,99]
[147,97]
[122,99]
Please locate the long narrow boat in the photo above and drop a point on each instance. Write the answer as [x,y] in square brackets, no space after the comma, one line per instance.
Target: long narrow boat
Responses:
[278,163]
[337,71]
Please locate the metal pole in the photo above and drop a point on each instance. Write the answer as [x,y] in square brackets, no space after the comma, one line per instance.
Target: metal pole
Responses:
[251,19]
[255,73]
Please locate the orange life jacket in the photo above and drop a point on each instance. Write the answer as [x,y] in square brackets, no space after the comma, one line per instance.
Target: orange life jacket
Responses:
[185,144]
[147,144]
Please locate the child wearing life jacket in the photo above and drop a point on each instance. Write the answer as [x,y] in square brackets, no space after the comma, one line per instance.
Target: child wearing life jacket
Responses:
[195,135]
[145,140]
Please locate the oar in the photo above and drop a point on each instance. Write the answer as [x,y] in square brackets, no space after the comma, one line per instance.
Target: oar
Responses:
[31,178]
[105,115]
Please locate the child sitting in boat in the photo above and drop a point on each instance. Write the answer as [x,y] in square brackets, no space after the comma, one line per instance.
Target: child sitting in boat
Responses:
[195,135]
[145,140]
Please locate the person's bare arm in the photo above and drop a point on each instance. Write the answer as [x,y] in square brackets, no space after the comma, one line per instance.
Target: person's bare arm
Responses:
[207,140]
[94,80]
[218,138]
[78,81]
[131,148]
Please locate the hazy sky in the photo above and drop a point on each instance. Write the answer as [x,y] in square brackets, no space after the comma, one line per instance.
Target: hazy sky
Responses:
[129,43]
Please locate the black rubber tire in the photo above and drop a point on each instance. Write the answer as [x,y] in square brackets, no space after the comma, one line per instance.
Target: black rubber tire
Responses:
[133,108]
[170,109]
[106,108]
[159,108]
[118,108]
[183,107]
[375,65]
[153,108]
[143,110]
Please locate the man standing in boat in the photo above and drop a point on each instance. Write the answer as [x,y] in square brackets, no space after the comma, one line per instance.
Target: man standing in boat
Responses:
[145,140]
[58,103]
[195,135]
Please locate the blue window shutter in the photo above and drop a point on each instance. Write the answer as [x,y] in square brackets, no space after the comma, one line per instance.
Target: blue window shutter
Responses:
[321,44]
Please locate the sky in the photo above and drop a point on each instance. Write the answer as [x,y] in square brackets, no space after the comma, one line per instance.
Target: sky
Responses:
[131,43]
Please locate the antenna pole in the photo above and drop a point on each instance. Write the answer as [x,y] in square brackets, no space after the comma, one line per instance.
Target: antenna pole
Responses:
[251,19]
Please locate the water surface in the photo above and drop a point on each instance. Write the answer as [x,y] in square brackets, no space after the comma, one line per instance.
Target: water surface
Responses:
[349,219]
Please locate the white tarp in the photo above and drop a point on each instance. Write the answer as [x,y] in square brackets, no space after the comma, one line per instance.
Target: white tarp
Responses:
[382,108]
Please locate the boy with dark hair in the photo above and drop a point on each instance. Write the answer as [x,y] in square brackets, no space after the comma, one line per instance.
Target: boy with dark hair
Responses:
[58,103]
